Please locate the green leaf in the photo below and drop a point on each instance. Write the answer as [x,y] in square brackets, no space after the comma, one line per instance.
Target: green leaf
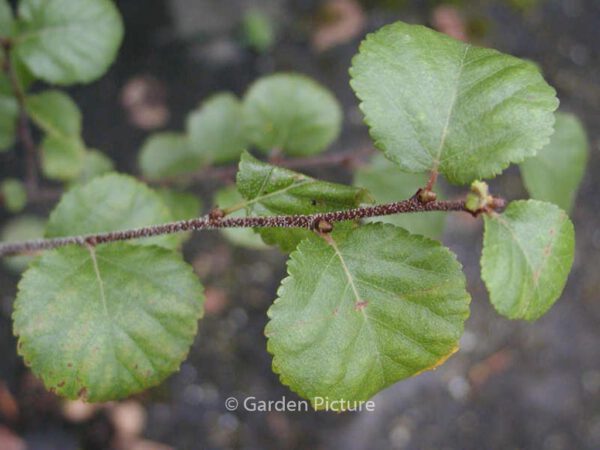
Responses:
[215,129]
[387,183]
[433,102]
[182,206]
[55,113]
[244,237]
[166,155]
[364,310]
[110,203]
[68,41]
[9,107]
[258,31]
[9,112]
[14,194]
[22,75]
[104,323]
[6,19]
[555,173]
[527,255]
[271,190]
[95,163]
[63,157]
[291,113]
[64,152]
[17,229]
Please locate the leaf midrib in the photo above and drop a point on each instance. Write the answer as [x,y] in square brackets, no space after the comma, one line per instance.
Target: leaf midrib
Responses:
[92,252]
[444,134]
[366,318]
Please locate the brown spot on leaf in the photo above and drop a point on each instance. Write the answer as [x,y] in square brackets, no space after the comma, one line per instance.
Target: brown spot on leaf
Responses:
[359,306]
[552,231]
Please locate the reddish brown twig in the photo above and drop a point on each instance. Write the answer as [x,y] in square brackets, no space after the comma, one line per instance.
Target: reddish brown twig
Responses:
[308,221]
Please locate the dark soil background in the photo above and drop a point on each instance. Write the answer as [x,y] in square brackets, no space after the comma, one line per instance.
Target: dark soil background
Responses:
[512,385]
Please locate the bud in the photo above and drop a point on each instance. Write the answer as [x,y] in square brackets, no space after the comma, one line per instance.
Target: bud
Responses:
[426,196]
[216,214]
[479,199]
[324,227]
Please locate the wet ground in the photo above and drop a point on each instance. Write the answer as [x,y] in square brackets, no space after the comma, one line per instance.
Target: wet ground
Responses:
[512,385]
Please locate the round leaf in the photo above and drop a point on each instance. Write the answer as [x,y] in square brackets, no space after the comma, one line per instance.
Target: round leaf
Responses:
[55,113]
[291,113]
[110,203]
[14,194]
[17,229]
[368,308]
[62,157]
[554,174]
[68,41]
[95,163]
[101,324]
[215,130]
[166,155]
[183,205]
[527,255]
[22,75]
[433,102]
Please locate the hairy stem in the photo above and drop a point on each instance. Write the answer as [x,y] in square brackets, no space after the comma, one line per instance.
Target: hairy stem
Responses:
[211,222]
